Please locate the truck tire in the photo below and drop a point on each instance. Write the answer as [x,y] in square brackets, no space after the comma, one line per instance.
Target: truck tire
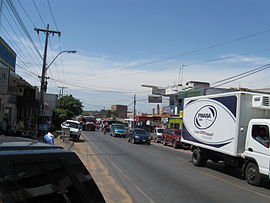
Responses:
[198,158]
[174,145]
[252,174]
[164,142]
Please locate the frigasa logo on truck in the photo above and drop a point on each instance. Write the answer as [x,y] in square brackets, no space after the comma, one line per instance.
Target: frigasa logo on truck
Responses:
[205,117]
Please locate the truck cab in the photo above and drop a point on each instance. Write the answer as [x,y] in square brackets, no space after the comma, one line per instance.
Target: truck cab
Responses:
[257,151]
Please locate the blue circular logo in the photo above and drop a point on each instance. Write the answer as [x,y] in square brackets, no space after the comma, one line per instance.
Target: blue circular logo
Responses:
[205,117]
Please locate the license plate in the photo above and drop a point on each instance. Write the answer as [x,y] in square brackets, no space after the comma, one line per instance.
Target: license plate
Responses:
[144,140]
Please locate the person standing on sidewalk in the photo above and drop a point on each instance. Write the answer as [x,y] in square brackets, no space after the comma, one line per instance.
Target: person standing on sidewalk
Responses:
[49,137]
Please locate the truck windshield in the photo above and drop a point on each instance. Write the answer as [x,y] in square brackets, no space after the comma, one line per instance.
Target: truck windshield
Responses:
[177,132]
[160,130]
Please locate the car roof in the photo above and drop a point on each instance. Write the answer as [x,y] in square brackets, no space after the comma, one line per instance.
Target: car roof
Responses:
[139,129]
[72,121]
[19,143]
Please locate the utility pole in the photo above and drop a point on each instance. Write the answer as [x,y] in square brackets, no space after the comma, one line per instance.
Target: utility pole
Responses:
[43,85]
[134,111]
[182,72]
[61,93]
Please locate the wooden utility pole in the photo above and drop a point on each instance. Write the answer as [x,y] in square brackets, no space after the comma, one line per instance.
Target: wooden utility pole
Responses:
[43,85]
[61,93]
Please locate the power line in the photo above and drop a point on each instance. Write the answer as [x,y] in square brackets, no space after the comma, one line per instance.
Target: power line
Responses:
[196,63]
[39,13]
[243,75]
[52,14]
[188,52]
[26,14]
[15,44]
[83,87]
[61,59]
[18,18]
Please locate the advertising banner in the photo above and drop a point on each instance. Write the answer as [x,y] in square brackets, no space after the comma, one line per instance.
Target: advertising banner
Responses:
[7,55]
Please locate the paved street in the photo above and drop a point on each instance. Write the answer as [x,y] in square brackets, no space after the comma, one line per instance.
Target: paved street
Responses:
[156,173]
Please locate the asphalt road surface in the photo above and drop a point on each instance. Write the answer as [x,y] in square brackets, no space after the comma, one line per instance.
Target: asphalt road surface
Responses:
[157,173]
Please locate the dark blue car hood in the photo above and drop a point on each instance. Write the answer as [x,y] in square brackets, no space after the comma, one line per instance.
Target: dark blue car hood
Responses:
[141,135]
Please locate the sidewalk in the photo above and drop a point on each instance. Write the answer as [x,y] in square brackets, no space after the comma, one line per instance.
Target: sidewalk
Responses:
[112,192]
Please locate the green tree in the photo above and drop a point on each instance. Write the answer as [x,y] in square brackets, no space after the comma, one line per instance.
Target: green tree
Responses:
[67,108]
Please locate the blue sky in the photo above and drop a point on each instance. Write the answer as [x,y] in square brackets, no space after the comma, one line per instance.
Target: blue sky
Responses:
[122,44]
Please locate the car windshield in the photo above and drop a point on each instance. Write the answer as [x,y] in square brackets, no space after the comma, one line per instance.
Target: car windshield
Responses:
[119,127]
[72,125]
[142,132]
[160,130]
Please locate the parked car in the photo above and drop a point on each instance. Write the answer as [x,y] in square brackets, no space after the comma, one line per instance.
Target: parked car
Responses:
[139,135]
[157,136]
[36,172]
[118,130]
[74,127]
[172,137]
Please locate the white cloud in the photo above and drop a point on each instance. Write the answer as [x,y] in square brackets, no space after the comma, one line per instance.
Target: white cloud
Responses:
[106,73]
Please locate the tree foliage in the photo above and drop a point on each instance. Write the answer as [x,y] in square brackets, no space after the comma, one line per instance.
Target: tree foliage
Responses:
[67,108]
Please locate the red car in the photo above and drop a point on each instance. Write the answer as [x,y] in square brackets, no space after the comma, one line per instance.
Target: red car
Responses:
[172,137]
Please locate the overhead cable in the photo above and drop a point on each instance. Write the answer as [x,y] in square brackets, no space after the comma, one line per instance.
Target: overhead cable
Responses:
[18,18]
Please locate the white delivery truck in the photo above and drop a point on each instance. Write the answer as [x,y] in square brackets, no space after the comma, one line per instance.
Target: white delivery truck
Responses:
[230,127]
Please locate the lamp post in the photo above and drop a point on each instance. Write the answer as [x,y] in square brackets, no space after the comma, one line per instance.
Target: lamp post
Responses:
[44,82]
[67,51]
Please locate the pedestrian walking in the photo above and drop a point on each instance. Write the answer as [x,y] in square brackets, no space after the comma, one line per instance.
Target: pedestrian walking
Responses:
[19,127]
[49,137]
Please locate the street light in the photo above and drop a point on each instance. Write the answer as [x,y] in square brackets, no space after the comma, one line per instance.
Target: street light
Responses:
[67,51]
[43,85]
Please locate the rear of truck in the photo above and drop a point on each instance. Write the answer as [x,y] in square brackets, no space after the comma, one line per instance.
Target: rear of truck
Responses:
[212,122]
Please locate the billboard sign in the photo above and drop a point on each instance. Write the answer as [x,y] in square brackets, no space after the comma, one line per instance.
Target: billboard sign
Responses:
[154,99]
[7,55]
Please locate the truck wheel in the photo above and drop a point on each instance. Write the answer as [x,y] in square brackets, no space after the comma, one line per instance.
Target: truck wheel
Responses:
[198,158]
[174,144]
[164,142]
[252,174]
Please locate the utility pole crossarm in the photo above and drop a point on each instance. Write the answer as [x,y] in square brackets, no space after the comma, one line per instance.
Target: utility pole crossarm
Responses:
[47,30]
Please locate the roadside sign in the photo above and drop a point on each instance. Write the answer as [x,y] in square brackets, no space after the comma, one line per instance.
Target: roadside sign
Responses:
[154,99]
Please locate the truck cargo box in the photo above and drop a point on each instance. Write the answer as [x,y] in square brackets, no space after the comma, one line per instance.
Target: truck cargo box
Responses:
[219,122]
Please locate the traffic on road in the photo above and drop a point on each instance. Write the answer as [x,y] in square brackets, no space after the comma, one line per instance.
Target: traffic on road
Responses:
[158,173]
